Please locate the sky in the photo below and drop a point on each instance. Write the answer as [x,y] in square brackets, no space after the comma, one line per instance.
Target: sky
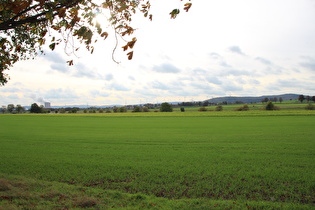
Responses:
[219,48]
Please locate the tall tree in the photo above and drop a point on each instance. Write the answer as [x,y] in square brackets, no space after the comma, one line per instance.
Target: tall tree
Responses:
[35,108]
[25,25]
[19,108]
[166,107]
[265,100]
[3,109]
[280,99]
[301,98]
[308,98]
[10,108]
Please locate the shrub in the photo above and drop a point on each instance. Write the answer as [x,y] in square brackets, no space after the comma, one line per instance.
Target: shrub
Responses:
[271,106]
[243,108]
[136,109]
[219,108]
[115,109]
[182,109]
[108,111]
[100,111]
[310,107]
[202,109]
[122,109]
[166,107]
[145,109]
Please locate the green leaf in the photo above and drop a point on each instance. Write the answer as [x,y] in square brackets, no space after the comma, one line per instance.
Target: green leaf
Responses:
[52,46]
[174,13]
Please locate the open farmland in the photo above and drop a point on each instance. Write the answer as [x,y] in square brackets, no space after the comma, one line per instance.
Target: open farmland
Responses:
[256,158]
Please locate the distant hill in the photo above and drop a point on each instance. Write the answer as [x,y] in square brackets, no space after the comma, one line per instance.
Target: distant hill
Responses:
[257,99]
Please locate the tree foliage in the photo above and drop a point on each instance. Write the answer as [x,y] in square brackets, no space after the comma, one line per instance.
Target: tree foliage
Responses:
[35,108]
[10,108]
[270,106]
[19,108]
[310,107]
[245,107]
[26,25]
[166,107]
[301,98]
[219,108]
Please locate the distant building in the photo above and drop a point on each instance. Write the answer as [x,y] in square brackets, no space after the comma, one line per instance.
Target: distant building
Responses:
[47,105]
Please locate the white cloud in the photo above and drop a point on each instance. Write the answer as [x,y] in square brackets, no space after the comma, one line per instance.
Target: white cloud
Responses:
[61,67]
[231,87]
[131,78]
[308,62]
[118,87]
[236,72]
[10,89]
[13,96]
[166,68]
[159,85]
[264,60]
[60,94]
[109,77]
[97,93]
[54,57]
[214,80]
[236,49]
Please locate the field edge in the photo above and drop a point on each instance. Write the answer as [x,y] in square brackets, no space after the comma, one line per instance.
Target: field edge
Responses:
[18,192]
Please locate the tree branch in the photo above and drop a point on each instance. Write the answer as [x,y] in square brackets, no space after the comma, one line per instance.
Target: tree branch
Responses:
[12,23]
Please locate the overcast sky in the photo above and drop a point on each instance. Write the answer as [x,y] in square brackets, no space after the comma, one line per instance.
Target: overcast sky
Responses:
[218,48]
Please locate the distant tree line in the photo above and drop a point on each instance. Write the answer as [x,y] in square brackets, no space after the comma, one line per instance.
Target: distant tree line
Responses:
[301,98]
[11,108]
[164,107]
[306,98]
[274,99]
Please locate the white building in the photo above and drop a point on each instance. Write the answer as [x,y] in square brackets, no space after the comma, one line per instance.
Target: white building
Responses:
[47,105]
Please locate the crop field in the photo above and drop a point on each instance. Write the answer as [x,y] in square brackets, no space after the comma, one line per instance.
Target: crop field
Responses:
[175,160]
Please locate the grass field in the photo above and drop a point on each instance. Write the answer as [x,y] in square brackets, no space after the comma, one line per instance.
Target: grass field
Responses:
[190,160]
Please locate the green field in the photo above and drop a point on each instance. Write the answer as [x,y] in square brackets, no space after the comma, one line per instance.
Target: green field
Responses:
[187,160]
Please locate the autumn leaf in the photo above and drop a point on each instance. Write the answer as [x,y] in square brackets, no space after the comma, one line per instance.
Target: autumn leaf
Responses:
[43,33]
[130,54]
[132,43]
[18,48]
[104,34]
[70,63]
[19,6]
[187,6]
[125,47]
[62,12]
